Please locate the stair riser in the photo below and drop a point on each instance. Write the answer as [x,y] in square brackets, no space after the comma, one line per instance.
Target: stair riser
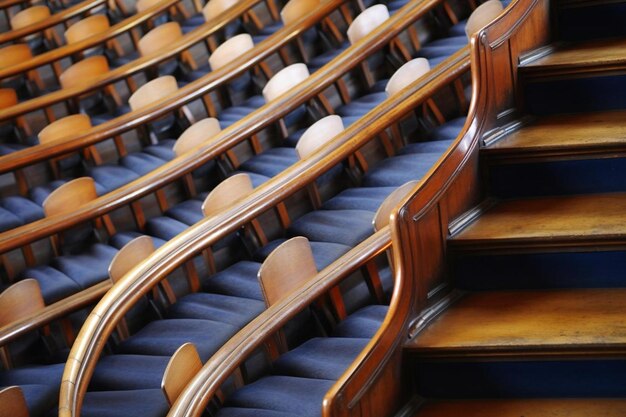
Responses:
[593,22]
[526,379]
[541,271]
[575,95]
[602,175]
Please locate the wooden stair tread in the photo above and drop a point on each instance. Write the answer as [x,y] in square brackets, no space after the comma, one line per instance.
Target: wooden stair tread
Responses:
[530,322]
[579,57]
[527,408]
[549,220]
[564,132]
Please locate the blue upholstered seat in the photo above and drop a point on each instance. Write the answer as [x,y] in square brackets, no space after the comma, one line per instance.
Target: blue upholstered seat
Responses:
[360,198]
[236,311]
[131,403]
[128,372]
[348,227]
[363,323]
[40,398]
[253,412]
[397,170]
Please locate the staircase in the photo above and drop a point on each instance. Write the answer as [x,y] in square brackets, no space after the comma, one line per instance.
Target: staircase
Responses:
[538,327]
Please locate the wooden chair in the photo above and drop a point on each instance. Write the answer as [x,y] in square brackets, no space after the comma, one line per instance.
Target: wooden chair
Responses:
[160,38]
[196,135]
[296,9]
[213,8]
[366,22]
[182,367]
[31,16]
[318,134]
[482,16]
[226,194]
[153,91]
[230,50]
[381,218]
[90,26]
[407,74]
[284,80]
[16,54]
[13,403]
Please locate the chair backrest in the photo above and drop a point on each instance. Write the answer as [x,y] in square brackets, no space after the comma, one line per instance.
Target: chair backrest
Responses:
[84,71]
[14,54]
[152,91]
[381,218]
[229,50]
[29,16]
[286,269]
[482,16]
[182,367]
[318,134]
[368,20]
[69,196]
[197,134]
[159,38]
[13,402]
[284,80]
[213,8]
[130,256]
[86,28]
[8,98]
[142,5]
[19,300]
[64,128]
[296,9]
[406,74]
[227,193]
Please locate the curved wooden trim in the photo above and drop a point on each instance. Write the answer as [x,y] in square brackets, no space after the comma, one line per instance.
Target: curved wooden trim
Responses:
[222,142]
[53,20]
[68,50]
[143,277]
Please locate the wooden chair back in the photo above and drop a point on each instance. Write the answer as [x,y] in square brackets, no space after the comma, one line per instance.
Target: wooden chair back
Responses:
[142,5]
[296,9]
[482,16]
[14,54]
[29,16]
[129,256]
[286,269]
[406,74]
[197,134]
[381,218]
[86,28]
[12,402]
[21,299]
[153,91]
[64,128]
[69,196]
[159,38]
[8,98]
[284,80]
[84,71]
[368,20]
[227,193]
[318,134]
[214,8]
[182,367]
[230,50]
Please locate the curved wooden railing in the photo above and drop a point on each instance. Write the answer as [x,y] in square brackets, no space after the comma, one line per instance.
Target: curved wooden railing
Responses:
[140,64]
[422,225]
[51,21]
[236,133]
[64,51]
[138,282]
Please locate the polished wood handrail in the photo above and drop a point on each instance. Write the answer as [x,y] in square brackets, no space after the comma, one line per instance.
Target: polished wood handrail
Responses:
[53,20]
[424,220]
[137,65]
[236,133]
[139,280]
[68,50]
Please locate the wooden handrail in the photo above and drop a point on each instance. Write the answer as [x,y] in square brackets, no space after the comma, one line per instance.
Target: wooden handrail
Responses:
[103,318]
[68,50]
[424,220]
[224,141]
[53,20]
[136,65]
[233,353]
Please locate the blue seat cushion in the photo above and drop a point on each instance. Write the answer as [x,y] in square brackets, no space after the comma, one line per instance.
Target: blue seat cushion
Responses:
[324,253]
[433,146]
[320,358]
[218,307]
[132,403]
[359,198]
[271,162]
[363,323]
[239,280]
[447,131]
[27,210]
[128,372]
[361,105]
[251,412]
[118,240]
[88,268]
[322,59]
[301,396]
[54,284]
[165,227]
[141,162]
[40,398]
[9,220]
[39,194]
[50,374]
[400,169]
[111,177]
[348,227]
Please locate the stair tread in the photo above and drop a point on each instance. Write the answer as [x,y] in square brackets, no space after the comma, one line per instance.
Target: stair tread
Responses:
[571,320]
[576,218]
[601,129]
[525,407]
[580,57]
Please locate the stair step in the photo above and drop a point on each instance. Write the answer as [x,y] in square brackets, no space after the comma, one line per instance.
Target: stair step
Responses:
[563,135]
[574,222]
[526,408]
[582,59]
[528,323]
